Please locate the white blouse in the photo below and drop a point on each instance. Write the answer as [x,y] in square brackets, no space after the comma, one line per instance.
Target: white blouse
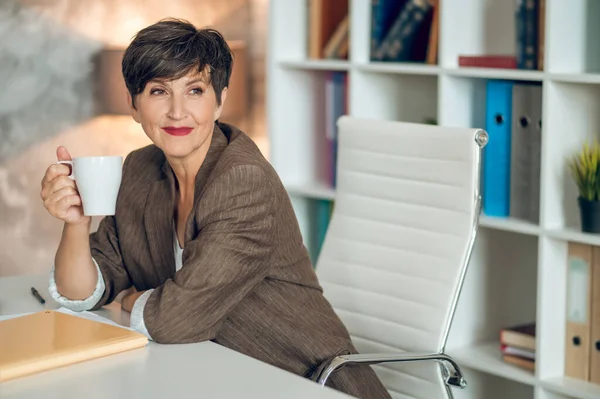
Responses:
[137,313]
[178,253]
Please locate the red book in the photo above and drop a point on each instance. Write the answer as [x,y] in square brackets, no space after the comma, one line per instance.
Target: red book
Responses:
[488,61]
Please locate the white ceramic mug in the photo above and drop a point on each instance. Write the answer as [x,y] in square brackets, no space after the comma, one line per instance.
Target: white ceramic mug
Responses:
[98,181]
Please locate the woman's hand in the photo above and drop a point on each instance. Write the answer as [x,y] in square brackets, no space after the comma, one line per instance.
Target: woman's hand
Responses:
[59,192]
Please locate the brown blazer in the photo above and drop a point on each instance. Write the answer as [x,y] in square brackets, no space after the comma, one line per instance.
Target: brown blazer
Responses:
[246,283]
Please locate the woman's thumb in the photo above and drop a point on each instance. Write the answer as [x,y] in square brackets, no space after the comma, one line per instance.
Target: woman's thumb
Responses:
[63,154]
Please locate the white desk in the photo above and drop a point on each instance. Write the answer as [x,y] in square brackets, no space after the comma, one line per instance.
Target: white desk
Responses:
[202,370]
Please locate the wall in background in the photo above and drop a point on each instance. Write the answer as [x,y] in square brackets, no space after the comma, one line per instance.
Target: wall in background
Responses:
[47,52]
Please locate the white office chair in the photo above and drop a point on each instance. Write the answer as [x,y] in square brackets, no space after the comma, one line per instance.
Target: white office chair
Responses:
[394,258]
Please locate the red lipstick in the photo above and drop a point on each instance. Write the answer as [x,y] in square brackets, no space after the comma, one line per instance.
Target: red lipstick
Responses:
[177,131]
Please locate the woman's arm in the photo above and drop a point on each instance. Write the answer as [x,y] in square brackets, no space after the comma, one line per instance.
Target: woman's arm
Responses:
[129,300]
[75,273]
[74,270]
[109,277]
[222,265]
[89,270]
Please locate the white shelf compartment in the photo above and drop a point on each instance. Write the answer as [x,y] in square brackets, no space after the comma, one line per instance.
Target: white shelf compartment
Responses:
[387,95]
[570,118]
[318,65]
[475,27]
[496,73]
[489,386]
[571,388]
[572,36]
[500,290]
[571,234]
[399,68]
[510,224]
[486,357]
[299,116]
[589,78]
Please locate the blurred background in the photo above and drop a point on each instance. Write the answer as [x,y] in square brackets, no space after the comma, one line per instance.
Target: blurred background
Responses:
[62,85]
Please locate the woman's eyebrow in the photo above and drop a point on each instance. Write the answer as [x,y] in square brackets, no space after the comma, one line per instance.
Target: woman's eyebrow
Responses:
[196,80]
[190,82]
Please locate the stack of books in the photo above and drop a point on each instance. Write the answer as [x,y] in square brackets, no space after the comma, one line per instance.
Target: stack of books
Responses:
[405,30]
[517,345]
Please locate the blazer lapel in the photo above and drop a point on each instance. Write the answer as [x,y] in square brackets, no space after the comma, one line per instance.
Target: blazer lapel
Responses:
[218,143]
[158,220]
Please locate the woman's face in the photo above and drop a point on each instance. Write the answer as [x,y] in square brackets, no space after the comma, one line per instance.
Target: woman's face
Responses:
[179,115]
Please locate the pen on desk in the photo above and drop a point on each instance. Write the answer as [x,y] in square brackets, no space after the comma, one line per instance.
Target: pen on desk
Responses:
[37,295]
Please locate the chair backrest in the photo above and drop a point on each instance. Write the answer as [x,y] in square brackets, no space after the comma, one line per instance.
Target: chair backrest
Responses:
[394,257]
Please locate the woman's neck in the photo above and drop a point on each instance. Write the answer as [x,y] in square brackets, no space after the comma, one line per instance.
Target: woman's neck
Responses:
[185,170]
[186,176]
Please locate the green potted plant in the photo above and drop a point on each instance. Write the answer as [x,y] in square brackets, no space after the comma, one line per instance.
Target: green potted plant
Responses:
[585,169]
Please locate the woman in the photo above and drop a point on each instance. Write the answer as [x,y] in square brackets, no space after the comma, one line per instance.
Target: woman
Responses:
[204,230]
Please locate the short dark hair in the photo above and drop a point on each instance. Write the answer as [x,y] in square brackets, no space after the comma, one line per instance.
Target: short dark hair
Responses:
[170,49]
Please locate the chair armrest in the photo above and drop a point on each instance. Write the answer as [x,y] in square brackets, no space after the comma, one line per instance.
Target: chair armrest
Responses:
[454,377]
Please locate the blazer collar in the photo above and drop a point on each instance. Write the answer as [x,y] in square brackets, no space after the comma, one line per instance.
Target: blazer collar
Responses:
[160,206]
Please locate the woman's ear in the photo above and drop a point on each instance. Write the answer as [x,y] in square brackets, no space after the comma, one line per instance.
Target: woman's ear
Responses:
[219,109]
[134,112]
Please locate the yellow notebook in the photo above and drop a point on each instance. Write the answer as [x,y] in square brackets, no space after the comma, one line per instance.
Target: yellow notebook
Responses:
[49,339]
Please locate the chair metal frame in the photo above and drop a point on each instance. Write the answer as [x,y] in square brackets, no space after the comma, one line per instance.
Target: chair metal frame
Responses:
[450,369]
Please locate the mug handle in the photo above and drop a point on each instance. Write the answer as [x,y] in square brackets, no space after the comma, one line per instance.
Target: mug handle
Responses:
[72,175]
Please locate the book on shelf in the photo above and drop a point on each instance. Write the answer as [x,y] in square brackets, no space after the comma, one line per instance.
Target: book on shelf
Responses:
[511,160]
[594,347]
[517,345]
[529,33]
[496,154]
[338,44]
[529,41]
[519,361]
[541,29]
[578,323]
[405,30]
[336,105]
[582,329]
[328,29]
[323,210]
[525,152]
[519,336]
[516,351]
[488,61]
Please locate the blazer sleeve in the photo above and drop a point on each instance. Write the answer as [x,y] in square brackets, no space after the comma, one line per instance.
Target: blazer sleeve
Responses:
[223,264]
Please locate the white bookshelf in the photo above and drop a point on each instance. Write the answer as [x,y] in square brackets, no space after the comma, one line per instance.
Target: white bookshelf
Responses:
[518,269]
